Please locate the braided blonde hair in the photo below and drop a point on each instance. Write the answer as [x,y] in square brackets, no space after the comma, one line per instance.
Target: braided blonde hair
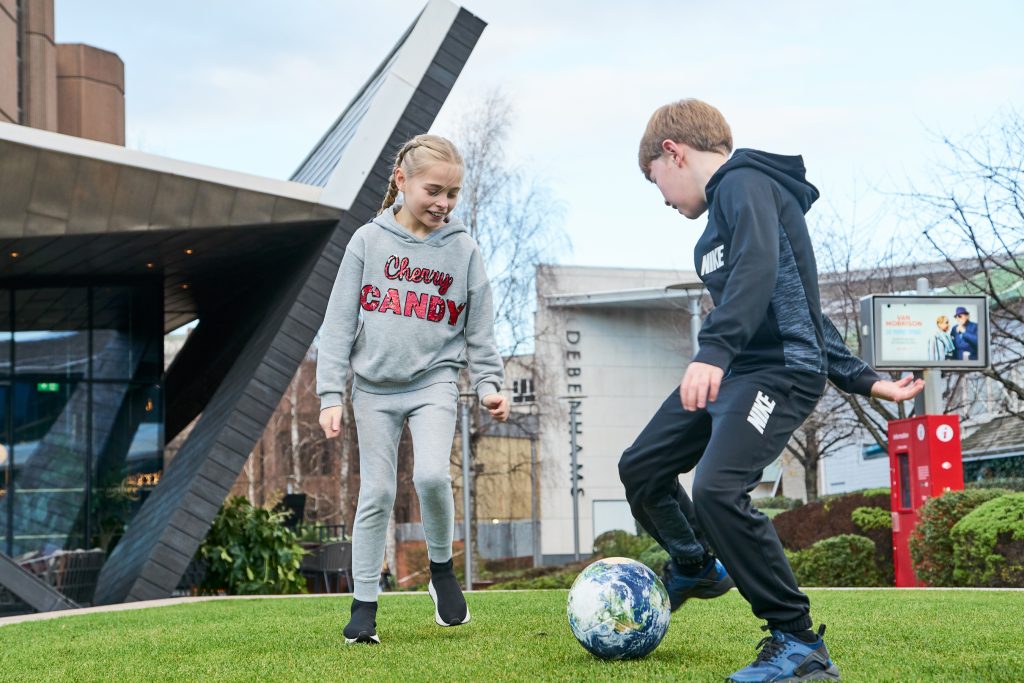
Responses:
[414,155]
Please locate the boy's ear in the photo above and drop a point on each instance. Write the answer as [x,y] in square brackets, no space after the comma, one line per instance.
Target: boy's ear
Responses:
[674,150]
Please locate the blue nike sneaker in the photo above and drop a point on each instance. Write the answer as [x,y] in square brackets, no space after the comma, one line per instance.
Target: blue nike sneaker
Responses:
[784,658]
[710,583]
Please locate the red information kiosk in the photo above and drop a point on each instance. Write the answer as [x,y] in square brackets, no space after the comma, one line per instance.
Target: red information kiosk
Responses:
[924,462]
[927,334]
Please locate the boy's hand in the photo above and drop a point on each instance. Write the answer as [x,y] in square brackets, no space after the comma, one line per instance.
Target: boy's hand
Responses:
[900,390]
[700,385]
[330,421]
[497,406]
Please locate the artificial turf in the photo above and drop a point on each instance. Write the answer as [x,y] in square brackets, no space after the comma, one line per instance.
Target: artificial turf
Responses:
[874,636]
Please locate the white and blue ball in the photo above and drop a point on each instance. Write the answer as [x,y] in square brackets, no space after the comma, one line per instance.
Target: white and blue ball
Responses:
[618,609]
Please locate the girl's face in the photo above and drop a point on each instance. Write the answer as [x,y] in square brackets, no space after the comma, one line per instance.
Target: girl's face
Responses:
[430,195]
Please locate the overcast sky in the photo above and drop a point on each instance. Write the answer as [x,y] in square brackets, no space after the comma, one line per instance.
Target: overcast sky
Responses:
[859,89]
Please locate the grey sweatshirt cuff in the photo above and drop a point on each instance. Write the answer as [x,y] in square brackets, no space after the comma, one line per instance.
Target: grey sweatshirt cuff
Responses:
[330,400]
[486,389]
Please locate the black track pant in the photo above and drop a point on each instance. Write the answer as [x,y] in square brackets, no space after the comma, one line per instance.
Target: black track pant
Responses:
[729,443]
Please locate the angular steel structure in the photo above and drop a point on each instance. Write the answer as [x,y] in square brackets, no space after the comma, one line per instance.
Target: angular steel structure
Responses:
[253,259]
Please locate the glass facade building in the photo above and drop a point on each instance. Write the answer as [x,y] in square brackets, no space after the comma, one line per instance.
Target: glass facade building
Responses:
[81,415]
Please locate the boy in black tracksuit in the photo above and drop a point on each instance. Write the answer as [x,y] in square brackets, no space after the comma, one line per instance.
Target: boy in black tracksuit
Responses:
[766,352]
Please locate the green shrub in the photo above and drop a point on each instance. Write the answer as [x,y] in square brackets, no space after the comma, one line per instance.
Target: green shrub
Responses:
[619,543]
[249,551]
[832,516]
[562,579]
[871,518]
[1008,483]
[870,493]
[776,503]
[846,560]
[931,545]
[654,557]
[820,519]
[988,544]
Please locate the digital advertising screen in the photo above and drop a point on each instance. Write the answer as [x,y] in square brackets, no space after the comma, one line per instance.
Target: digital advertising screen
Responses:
[909,332]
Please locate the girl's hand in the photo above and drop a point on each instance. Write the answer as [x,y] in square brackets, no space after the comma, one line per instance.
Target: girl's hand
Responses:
[330,421]
[497,406]
[901,390]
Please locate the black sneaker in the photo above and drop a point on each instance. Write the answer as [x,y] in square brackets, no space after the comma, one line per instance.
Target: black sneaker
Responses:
[450,608]
[711,582]
[362,625]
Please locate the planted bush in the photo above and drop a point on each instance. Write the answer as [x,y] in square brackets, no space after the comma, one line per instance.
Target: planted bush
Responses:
[619,543]
[1008,483]
[777,503]
[845,560]
[988,544]
[872,518]
[654,557]
[931,543]
[804,526]
[249,551]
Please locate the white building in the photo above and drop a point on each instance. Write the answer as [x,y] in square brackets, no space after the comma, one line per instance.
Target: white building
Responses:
[614,342]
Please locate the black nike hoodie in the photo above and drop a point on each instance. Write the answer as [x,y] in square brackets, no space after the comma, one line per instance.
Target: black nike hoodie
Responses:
[757,262]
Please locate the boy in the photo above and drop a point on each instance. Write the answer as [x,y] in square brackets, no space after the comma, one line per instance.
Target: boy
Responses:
[765,354]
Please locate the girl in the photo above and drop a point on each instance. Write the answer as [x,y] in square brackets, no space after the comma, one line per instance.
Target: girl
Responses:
[410,307]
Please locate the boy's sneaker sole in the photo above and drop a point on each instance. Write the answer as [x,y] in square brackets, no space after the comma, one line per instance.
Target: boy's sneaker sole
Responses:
[829,674]
[713,590]
[368,638]
[437,615]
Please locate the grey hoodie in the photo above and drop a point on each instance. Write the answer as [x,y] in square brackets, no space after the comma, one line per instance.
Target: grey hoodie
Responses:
[406,313]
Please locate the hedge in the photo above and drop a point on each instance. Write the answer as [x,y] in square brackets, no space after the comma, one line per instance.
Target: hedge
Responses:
[804,526]
[845,560]
[931,544]
[988,544]
[832,516]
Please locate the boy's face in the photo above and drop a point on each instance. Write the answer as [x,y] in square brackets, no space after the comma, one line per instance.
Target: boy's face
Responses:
[678,184]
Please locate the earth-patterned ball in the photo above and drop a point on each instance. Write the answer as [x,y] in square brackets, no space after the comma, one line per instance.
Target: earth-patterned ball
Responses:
[618,609]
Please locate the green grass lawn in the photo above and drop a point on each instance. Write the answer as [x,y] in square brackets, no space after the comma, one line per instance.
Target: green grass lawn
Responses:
[874,636]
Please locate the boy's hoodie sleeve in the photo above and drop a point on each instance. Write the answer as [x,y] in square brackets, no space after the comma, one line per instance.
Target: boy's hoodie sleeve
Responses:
[486,369]
[341,321]
[845,370]
[750,206]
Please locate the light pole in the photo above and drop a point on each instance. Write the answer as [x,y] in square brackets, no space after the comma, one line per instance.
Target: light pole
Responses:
[534,512]
[929,401]
[574,404]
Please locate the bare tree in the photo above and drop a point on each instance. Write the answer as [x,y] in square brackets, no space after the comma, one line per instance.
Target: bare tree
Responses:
[293,450]
[823,433]
[517,224]
[975,221]
[852,265]
[510,214]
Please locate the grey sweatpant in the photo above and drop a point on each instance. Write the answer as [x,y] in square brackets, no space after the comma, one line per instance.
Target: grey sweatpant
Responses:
[379,421]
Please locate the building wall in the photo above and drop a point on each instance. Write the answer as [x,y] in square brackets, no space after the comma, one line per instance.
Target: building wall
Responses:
[849,470]
[39,68]
[8,61]
[72,89]
[502,472]
[625,362]
[90,93]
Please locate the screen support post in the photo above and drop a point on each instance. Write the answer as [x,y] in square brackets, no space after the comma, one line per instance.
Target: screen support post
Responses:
[929,401]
